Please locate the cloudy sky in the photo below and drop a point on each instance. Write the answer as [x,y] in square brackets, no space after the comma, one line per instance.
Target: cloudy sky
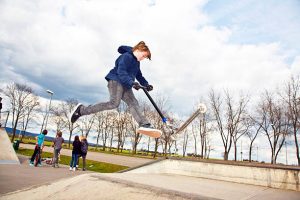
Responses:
[69,46]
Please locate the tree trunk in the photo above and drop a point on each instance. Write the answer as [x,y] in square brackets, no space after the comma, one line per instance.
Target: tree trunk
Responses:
[250,152]
[297,147]
[15,128]
[70,139]
[97,143]
[226,155]
[156,147]
[235,151]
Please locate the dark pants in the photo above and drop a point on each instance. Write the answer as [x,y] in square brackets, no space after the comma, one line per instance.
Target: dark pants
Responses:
[55,157]
[117,93]
[83,155]
[83,160]
[37,150]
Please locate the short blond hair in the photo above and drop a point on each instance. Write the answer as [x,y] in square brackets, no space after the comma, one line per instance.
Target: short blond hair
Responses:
[141,46]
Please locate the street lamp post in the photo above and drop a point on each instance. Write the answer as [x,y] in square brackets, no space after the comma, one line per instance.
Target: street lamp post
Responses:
[47,111]
[47,115]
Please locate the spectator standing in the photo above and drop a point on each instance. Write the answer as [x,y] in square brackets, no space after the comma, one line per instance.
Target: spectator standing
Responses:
[75,153]
[84,150]
[57,145]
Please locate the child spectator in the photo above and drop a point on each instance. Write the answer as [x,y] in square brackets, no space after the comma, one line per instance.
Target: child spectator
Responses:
[57,145]
[75,153]
[39,145]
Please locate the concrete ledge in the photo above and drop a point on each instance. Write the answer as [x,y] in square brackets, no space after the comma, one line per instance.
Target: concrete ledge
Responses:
[282,178]
[7,152]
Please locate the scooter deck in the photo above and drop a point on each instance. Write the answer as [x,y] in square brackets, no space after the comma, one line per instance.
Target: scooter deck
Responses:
[155,133]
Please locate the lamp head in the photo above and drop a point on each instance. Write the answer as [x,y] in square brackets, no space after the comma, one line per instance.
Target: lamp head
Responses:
[202,107]
[50,92]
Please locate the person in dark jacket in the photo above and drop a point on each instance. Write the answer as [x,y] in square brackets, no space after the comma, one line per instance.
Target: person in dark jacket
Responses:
[121,80]
[84,150]
[75,153]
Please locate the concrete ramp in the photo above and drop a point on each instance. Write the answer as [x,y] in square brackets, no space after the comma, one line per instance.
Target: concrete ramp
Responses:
[7,152]
[130,186]
[280,177]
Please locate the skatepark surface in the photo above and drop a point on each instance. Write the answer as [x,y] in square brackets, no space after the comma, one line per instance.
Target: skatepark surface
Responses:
[21,181]
[146,186]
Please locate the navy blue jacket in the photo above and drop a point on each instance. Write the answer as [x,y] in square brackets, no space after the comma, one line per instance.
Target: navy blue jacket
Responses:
[127,69]
[76,147]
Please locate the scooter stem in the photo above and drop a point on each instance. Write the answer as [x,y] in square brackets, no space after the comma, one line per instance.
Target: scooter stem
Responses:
[164,119]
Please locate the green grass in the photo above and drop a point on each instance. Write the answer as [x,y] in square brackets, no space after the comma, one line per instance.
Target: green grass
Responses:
[90,164]
[139,154]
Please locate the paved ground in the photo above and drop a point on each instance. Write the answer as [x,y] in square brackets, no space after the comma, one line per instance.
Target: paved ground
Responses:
[19,176]
[102,157]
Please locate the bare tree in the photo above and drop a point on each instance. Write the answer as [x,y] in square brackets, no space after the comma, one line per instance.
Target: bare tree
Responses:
[67,108]
[104,125]
[18,94]
[99,126]
[30,106]
[204,130]
[292,99]
[194,132]
[154,117]
[58,118]
[135,137]
[253,131]
[86,123]
[216,102]
[230,123]
[275,125]
[122,125]
[235,116]
[112,133]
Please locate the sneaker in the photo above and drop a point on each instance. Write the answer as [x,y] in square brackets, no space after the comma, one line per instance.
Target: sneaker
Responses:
[39,165]
[74,169]
[149,130]
[71,168]
[147,126]
[31,163]
[75,114]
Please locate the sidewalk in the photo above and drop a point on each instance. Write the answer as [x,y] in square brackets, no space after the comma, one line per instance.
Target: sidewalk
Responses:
[101,157]
[17,177]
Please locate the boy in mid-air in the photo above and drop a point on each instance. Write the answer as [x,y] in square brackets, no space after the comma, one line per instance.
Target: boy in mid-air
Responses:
[121,80]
